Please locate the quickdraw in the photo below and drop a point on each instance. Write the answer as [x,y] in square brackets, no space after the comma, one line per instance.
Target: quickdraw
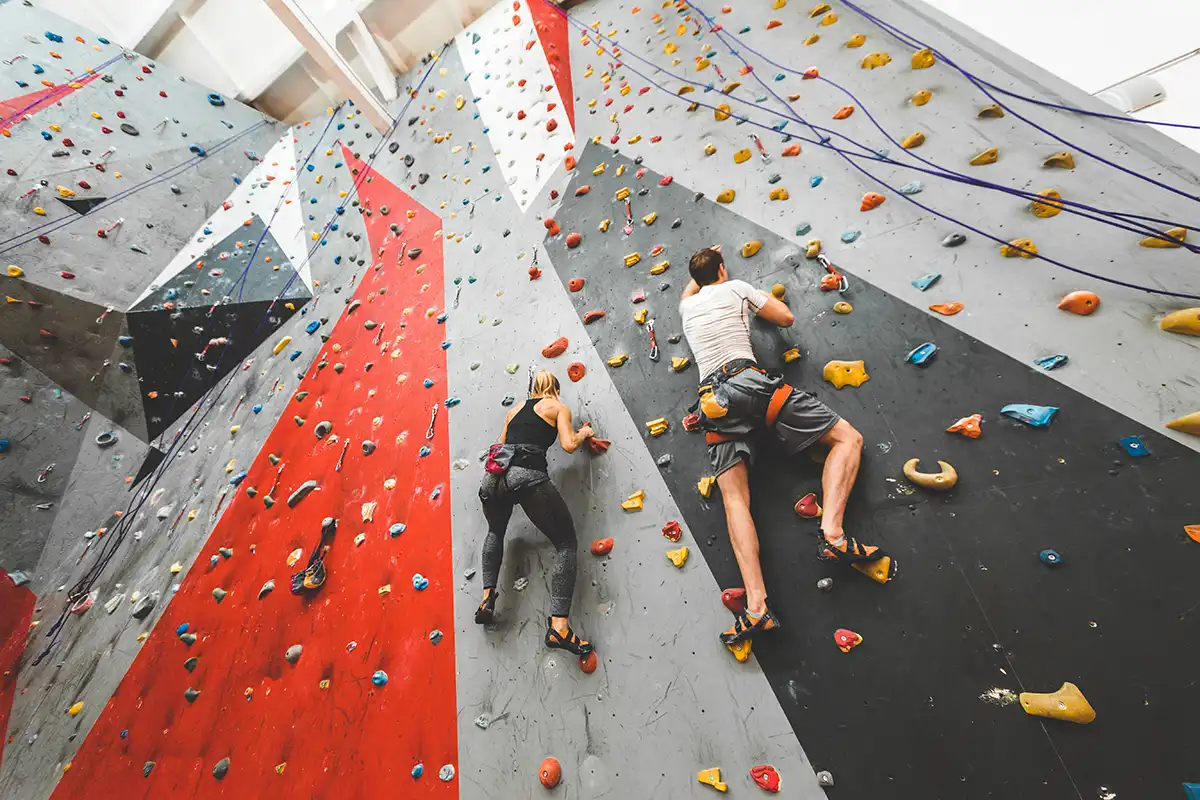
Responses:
[628,218]
[762,151]
[653,341]
[45,472]
[345,445]
[79,425]
[834,280]
[432,420]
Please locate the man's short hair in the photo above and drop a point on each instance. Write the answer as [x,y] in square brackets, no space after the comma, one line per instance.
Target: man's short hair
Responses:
[705,266]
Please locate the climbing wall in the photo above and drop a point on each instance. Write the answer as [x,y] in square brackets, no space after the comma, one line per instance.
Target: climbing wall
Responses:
[383,296]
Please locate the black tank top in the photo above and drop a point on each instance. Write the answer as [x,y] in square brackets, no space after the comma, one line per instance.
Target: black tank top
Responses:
[526,427]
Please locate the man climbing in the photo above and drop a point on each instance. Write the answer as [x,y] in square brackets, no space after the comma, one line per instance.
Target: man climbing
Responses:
[737,400]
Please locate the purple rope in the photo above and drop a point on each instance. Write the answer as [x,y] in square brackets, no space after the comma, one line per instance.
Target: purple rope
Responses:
[57,89]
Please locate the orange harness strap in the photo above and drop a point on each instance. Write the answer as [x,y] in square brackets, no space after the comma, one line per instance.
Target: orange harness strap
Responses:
[778,398]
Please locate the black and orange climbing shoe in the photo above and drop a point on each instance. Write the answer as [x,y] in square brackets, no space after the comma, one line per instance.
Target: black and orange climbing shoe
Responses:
[746,626]
[487,609]
[851,551]
[570,642]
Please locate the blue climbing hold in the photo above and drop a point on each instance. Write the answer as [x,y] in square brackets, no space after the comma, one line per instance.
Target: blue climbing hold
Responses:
[441,318]
[708,88]
[780,76]
[1037,416]
[102,40]
[1135,447]
[419,769]
[340,210]
[471,279]
[4,445]
[38,69]
[22,84]
[311,327]
[380,678]
[451,402]
[397,529]
[256,408]
[424,451]
[850,237]
[216,99]
[1051,362]
[1050,558]
[780,125]
[1192,790]
[341,125]
[54,37]
[125,733]
[47,135]
[803,228]
[762,98]
[420,582]
[477,248]
[922,354]
[238,478]
[182,629]
[333,227]
[927,280]
[912,187]
[125,341]
[293,355]
[237,181]
[815,181]
[172,293]
[428,382]
[311,168]
[882,154]
[745,29]
[198,150]
[446,345]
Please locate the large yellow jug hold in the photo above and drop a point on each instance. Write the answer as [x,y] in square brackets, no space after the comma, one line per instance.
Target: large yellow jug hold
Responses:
[752,247]
[726,196]
[993,111]
[1189,423]
[846,373]
[913,140]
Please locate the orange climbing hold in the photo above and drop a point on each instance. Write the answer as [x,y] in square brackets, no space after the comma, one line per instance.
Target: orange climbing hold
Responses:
[570,163]
[791,150]
[871,200]
[1193,532]
[843,112]
[591,317]
[602,547]
[557,347]
[970,427]
[550,772]
[575,284]
[947,309]
[582,190]
[552,227]
[575,371]
[773,24]
[574,239]
[1082,303]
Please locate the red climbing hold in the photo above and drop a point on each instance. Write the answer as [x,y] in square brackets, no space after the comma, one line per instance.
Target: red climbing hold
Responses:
[569,162]
[734,600]
[691,423]
[68,275]
[641,173]
[551,124]
[588,663]
[26,398]
[575,284]
[592,316]
[521,114]
[808,507]
[846,639]
[598,446]
[576,371]
[574,240]
[672,531]
[516,19]
[554,194]
[44,239]
[551,106]
[534,273]
[655,139]
[84,185]
[45,334]
[550,773]
[555,348]
[767,777]
[665,180]
[602,547]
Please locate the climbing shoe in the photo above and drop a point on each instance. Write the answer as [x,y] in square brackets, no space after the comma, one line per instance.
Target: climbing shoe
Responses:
[851,551]
[570,642]
[487,609]
[746,626]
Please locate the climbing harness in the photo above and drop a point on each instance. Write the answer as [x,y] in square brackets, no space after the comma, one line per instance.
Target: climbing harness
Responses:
[712,408]
[653,341]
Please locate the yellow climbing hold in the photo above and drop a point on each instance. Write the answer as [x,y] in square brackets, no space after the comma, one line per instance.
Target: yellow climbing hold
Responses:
[1179,234]
[791,354]
[857,40]
[63,191]
[1186,321]
[729,87]
[709,149]
[989,156]
[778,291]
[640,315]
[721,112]
[712,777]
[459,102]
[846,373]
[818,10]
[599,170]
[879,570]
[742,156]
[873,60]
[705,484]
[701,63]
[779,194]
[913,140]
[813,248]
[634,139]
[1046,210]
[685,89]
[1017,249]
[282,343]
[634,503]
[632,258]
[943,480]
[994,111]
[842,307]
[658,427]
[828,19]
[921,98]
[1068,704]
[622,193]
[693,107]
[751,247]
[618,360]
[678,557]
[1063,160]
[669,48]
[75,709]
[811,40]
[14,271]
[41,212]
[1189,423]
[778,4]
[649,218]
[679,363]
[604,223]
[660,268]
[923,59]
[726,196]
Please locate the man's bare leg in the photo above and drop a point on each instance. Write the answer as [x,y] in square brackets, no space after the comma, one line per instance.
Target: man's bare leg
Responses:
[735,494]
[837,479]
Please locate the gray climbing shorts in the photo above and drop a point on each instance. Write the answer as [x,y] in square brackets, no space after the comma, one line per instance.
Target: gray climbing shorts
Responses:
[802,420]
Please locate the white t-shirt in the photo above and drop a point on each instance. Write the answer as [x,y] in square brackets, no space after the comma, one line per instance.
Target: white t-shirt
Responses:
[716,321]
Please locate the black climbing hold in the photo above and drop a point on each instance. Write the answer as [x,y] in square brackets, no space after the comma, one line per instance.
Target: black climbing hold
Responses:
[221,769]
[638,160]
[301,492]
[953,240]
[642,192]
[674,338]
[697,197]
[188,638]
[368,447]
[323,428]
[384,210]
[191,694]
[424,176]
[106,439]
[266,589]
[393,147]
[81,205]
[219,594]
[409,160]
[506,233]
[300,396]
[412,121]
[825,584]
[225,551]
[676,223]
[508,400]
[394,228]
[129,129]
[147,768]
[251,491]
[191,663]
[175,189]
[414,252]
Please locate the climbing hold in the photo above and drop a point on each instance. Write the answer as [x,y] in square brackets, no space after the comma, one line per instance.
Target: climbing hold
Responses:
[843,112]
[842,307]
[750,248]
[994,111]
[813,248]
[850,237]
[940,481]
[705,484]
[712,777]
[947,309]
[989,156]
[219,594]
[266,589]
[779,194]
[1051,362]
[618,360]
[953,240]
[293,653]
[301,492]
[1172,237]
[574,239]
[791,354]
[825,778]
[588,318]
[575,284]
[767,778]
[734,600]
[923,59]
[913,140]
[1019,248]
[808,507]
[588,664]
[420,582]
[1063,160]
[874,60]
[632,259]
[634,503]
[871,200]
[927,280]
[773,24]
[1189,423]
[576,371]
[843,373]
[323,429]
[709,149]
[1134,446]
[582,190]
[221,769]
[921,98]
[379,678]
[857,40]
[281,344]
[846,639]
[1193,532]
[678,557]
[815,181]
[602,547]
[778,291]
[550,772]
[1037,416]
[922,354]
[722,112]
[968,426]
[1067,704]
[75,709]
[555,348]
[726,196]
[1185,321]
[1082,303]
[1047,209]
[742,156]
[1050,558]
[657,427]
[672,531]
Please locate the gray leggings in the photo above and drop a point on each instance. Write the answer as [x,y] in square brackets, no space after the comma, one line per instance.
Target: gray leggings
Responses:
[533,491]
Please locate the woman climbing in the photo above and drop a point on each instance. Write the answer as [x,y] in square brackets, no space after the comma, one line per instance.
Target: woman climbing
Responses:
[517,474]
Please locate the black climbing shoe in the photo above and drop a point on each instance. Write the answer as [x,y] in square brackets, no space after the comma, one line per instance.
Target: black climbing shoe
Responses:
[851,551]
[487,609]
[571,643]
[746,627]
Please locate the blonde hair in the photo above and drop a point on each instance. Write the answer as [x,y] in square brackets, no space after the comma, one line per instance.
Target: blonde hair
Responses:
[544,385]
